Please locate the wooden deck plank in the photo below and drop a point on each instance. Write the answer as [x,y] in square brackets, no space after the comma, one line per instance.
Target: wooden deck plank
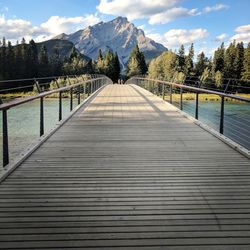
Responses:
[130,172]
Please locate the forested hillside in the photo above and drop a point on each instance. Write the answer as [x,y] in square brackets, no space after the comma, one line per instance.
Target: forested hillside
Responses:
[227,64]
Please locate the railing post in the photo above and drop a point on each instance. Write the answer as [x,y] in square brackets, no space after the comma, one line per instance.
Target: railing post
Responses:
[41,117]
[197,106]
[71,99]
[60,106]
[181,99]
[84,90]
[79,95]
[222,115]
[163,91]
[171,92]
[228,84]
[91,87]
[5,138]
[37,86]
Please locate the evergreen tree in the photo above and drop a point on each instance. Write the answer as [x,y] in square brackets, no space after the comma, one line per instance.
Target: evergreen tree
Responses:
[181,59]
[43,62]
[10,62]
[73,55]
[229,61]
[218,61]
[200,64]
[25,59]
[100,62]
[32,60]
[56,62]
[246,64]
[136,63]
[3,59]
[99,57]
[239,60]
[189,64]
[18,62]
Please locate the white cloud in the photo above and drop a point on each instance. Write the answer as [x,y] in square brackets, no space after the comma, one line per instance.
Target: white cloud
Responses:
[171,14]
[175,37]
[15,29]
[243,34]
[220,37]
[57,25]
[242,37]
[216,7]
[135,9]
[157,11]
[243,29]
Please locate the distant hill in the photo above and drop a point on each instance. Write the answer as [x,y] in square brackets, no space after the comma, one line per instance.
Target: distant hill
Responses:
[117,35]
[64,46]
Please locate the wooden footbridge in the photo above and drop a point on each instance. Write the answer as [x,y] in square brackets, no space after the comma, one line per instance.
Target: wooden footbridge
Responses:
[128,171]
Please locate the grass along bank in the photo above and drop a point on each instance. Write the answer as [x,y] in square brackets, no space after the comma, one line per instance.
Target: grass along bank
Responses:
[203,97]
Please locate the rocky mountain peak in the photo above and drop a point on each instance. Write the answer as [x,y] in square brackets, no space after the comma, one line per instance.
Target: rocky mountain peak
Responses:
[119,35]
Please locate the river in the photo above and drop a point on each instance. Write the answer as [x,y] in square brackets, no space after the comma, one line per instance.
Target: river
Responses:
[23,121]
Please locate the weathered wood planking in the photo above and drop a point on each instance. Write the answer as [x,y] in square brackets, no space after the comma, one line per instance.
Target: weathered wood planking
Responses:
[130,172]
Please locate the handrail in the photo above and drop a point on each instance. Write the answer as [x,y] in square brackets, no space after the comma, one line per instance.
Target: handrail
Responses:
[143,82]
[31,98]
[41,78]
[195,89]
[89,87]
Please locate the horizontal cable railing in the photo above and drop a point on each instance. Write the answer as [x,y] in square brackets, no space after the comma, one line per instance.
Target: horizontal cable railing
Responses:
[230,115]
[75,85]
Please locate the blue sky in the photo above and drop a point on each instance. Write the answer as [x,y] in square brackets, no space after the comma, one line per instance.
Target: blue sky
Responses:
[171,22]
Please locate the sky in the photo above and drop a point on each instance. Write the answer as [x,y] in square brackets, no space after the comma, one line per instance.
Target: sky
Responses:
[206,23]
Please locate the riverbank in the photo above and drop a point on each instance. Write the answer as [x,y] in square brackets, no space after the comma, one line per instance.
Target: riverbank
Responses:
[11,96]
[204,97]
[176,97]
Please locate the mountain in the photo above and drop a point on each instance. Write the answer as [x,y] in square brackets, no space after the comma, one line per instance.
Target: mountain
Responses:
[117,35]
[64,47]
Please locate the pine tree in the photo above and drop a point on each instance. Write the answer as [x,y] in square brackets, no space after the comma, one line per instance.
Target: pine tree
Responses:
[73,55]
[246,64]
[239,60]
[136,63]
[3,59]
[32,60]
[18,61]
[181,59]
[189,64]
[56,62]
[25,58]
[99,57]
[10,61]
[43,62]
[218,61]
[229,61]
[100,63]
[200,64]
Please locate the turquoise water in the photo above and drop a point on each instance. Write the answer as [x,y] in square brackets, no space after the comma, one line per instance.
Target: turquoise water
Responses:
[236,118]
[23,121]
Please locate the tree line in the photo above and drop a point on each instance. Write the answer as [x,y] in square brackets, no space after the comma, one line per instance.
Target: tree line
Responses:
[232,62]
[27,60]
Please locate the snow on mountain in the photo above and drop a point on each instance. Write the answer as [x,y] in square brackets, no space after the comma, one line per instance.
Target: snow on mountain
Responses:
[117,35]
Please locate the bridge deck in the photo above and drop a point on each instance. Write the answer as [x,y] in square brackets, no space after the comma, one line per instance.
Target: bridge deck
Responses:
[129,172]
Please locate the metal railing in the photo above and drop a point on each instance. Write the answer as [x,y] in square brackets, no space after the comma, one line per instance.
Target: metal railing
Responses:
[240,132]
[83,86]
